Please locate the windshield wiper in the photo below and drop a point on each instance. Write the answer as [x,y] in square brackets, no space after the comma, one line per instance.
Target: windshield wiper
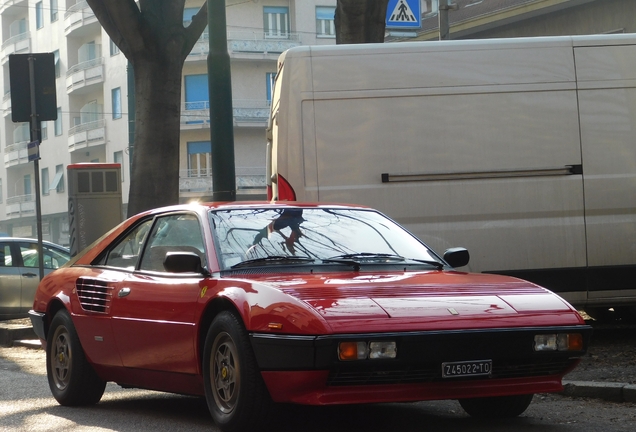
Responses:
[272,259]
[355,259]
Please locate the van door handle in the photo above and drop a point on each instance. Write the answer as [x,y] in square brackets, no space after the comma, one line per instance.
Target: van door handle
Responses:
[29,275]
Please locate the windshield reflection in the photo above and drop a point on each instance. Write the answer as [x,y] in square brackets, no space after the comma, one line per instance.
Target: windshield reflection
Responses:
[310,234]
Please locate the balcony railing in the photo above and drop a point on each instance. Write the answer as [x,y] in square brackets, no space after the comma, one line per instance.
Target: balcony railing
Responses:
[20,43]
[77,16]
[16,154]
[87,134]
[20,205]
[248,179]
[245,112]
[84,74]
[244,42]
[6,103]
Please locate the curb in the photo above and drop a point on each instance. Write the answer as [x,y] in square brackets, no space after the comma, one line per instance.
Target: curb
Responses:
[11,331]
[610,391]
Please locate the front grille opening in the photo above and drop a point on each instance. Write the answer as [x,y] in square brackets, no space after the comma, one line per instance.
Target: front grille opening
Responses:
[433,372]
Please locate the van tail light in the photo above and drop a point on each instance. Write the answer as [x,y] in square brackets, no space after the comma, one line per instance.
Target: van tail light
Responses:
[285,190]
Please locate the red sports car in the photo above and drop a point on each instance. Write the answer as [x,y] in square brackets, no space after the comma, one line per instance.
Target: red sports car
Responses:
[250,304]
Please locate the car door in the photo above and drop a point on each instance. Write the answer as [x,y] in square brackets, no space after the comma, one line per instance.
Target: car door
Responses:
[10,281]
[153,310]
[30,269]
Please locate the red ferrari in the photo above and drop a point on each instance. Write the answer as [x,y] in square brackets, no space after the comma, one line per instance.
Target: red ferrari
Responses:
[250,304]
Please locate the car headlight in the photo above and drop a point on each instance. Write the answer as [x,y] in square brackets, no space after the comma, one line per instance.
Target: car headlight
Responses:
[362,350]
[558,342]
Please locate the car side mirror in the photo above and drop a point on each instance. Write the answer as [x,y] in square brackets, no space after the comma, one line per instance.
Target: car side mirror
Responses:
[457,257]
[183,262]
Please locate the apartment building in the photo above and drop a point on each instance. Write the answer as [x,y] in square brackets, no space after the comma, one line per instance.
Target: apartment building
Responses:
[93,100]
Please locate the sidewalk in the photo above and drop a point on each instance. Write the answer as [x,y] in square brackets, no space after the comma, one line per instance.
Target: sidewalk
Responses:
[20,333]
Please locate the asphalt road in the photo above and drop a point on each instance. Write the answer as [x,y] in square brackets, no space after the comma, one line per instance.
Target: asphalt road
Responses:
[27,405]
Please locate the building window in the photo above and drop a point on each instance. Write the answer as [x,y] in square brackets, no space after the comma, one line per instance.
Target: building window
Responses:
[58,180]
[324,22]
[270,77]
[197,98]
[39,15]
[114,49]
[118,157]
[27,184]
[116,94]
[276,22]
[53,10]
[58,122]
[44,133]
[45,181]
[199,159]
[56,58]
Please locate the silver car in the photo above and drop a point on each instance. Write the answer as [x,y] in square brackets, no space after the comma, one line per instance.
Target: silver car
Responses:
[19,272]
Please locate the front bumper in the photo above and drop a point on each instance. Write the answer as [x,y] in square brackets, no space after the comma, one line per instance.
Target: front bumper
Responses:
[306,369]
[38,321]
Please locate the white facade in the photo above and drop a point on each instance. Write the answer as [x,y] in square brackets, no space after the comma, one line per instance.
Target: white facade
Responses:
[92,100]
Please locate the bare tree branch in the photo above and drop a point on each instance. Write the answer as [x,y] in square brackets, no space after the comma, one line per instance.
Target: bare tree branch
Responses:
[122,21]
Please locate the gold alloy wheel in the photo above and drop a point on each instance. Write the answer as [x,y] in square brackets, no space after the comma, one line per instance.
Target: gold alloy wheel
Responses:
[61,358]
[225,378]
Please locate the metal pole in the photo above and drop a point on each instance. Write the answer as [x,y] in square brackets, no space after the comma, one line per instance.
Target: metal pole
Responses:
[36,163]
[221,117]
[442,15]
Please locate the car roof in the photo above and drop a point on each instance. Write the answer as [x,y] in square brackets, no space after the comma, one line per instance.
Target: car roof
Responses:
[32,240]
[237,205]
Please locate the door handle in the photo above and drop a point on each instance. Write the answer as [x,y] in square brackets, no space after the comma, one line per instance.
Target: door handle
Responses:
[29,275]
[123,292]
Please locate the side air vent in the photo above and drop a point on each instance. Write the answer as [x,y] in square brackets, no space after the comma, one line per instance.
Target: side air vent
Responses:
[94,295]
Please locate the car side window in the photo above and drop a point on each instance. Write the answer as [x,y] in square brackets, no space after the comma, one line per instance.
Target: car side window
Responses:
[5,255]
[52,258]
[125,253]
[29,254]
[173,233]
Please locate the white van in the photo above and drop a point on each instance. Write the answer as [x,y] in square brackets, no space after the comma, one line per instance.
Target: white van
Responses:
[521,150]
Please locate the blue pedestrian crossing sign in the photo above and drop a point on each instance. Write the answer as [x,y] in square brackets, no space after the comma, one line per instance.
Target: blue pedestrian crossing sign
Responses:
[404,14]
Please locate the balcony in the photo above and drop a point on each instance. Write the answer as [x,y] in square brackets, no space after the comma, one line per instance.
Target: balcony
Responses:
[16,154]
[247,45]
[199,182]
[12,6]
[79,20]
[18,44]
[89,134]
[85,76]
[246,112]
[6,104]
[20,205]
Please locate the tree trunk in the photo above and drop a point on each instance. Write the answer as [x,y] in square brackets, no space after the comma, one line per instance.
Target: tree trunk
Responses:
[360,21]
[155,176]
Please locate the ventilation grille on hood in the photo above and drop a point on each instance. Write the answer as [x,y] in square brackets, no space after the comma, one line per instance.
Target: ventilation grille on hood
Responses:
[94,295]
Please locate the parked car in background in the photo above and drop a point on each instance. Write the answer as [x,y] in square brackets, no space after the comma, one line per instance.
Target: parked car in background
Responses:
[249,304]
[20,273]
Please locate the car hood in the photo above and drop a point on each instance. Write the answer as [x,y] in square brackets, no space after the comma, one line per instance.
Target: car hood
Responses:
[415,301]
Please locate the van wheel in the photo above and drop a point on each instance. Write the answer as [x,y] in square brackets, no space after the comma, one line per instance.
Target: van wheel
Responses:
[496,407]
[72,379]
[234,389]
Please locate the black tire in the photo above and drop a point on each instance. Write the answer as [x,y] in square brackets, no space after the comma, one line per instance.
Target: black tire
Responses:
[234,389]
[496,407]
[72,380]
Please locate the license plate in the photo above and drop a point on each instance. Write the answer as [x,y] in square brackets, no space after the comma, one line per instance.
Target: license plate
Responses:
[466,368]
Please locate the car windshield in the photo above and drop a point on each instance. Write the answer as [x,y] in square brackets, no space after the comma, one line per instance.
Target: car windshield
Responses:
[273,236]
